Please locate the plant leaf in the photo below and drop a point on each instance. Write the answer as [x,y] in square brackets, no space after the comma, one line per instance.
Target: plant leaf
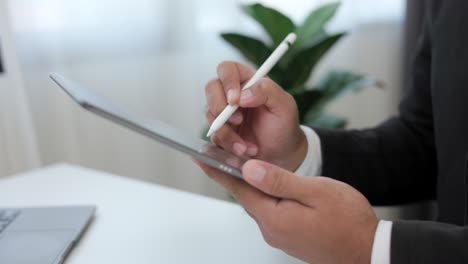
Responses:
[304,61]
[276,24]
[253,49]
[314,23]
[337,83]
[277,74]
[305,100]
[327,121]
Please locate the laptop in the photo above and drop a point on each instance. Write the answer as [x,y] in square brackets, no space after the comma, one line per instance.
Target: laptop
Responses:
[41,235]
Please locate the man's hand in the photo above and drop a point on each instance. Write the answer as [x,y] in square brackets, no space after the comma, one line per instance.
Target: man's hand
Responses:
[318,220]
[266,126]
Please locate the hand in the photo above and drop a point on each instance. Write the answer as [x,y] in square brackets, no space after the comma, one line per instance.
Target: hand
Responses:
[318,220]
[266,126]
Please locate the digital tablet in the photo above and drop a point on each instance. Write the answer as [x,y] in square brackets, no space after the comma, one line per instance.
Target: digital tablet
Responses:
[201,150]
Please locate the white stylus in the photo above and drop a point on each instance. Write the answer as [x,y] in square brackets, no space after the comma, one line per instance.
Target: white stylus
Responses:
[261,72]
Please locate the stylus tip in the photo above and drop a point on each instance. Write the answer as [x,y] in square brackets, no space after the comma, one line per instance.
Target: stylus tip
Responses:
[210,132]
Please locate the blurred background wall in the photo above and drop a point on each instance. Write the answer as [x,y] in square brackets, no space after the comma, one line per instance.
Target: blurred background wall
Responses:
[18,148]
[155,56]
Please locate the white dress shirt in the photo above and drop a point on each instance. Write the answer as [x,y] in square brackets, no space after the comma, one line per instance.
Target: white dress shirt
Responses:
[312,166]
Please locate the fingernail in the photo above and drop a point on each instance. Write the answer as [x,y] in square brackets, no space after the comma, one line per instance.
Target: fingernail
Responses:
[252,151]
[239,149]
[230,95]
[256,173]
[246,94]
[236,119]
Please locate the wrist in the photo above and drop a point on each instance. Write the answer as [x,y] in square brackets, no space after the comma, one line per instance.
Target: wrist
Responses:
[299,151]
[365,246]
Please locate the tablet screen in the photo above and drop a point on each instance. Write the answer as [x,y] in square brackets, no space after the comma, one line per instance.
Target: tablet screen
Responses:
[198,148]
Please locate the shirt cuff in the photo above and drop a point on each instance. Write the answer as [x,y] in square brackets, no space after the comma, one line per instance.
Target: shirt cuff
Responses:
[382,240]
[312,164]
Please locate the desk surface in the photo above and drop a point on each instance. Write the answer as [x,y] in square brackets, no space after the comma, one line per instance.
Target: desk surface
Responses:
[143,223]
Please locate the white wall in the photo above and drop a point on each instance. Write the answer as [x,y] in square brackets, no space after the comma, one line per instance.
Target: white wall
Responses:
[18,150]
[155,60]
[374,49]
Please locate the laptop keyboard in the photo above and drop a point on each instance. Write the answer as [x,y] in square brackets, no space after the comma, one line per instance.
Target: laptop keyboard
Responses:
[6,217]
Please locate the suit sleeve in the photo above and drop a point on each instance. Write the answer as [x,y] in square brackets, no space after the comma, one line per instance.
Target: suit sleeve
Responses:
[428,242]
[395,162]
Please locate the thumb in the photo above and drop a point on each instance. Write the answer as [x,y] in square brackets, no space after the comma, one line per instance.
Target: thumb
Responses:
[277,182]
[266,93]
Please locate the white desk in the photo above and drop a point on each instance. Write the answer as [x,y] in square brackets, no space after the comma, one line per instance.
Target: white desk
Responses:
[143,223]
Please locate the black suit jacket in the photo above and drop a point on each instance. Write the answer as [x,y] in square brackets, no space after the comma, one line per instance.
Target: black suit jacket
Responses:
[423,153]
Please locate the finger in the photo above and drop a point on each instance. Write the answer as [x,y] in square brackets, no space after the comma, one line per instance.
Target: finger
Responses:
[231,75]
[216,102]
[215,97]
[252,149]
[210,117]
[278,182]
[265,92]
[257,204]
[229,140]
[236,119]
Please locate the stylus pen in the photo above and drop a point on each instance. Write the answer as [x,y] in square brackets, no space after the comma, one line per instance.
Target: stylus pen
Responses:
[261,72]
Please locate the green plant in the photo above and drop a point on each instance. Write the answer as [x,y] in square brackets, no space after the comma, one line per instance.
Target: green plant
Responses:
[296,67]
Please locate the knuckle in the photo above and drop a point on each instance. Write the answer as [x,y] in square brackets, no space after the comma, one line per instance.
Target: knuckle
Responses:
[277,226]
[267,85]
[217,108]
[249,213]
[232,188]
[215,139]
[266,88]
[223,65]
[211,85]
[223,135]
[289,97]
[258,89]
[278,183]
[270,241]
[209,116]
[270,238]
[262,85]
[290,101]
